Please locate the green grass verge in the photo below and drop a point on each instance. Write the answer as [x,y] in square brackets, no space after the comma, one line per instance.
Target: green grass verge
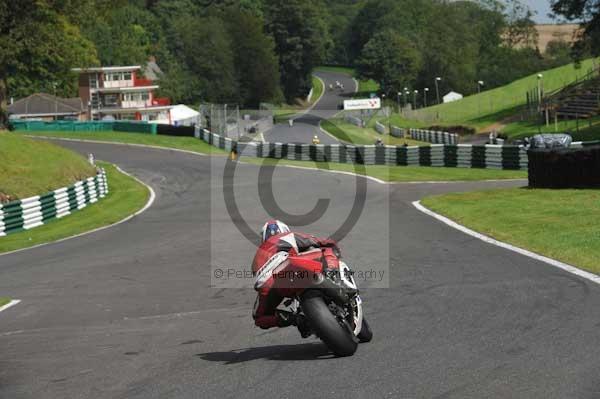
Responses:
[125,197]
[560,224]
[401,173]
[350,133]
[283,112]
[181,143]
[4,300]
[481,110]
[365,87]
[29,167]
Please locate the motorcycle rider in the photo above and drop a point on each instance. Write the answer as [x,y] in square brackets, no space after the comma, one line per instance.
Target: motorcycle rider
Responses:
[276,237]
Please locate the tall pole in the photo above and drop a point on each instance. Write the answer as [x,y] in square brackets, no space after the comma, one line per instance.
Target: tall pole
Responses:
[399,101]
[540,77]
[437,89]
[479,84]
[55,102]
[415,97]
[425,91]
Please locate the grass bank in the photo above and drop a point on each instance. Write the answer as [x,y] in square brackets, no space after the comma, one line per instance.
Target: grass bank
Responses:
[401,173]
[4,300]
[353,134]
[30,167]
[181,143]
[560,224]
[126,196]
[283,112]
[481,110]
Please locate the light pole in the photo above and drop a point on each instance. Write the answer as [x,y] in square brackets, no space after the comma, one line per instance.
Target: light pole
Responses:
[415,97]
[425,91]
[479,85]
[540,78]
[55,102]
[437,88]
[399,94]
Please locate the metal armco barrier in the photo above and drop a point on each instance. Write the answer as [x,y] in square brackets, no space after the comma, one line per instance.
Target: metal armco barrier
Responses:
[35,211]
[448,155]
[433,136]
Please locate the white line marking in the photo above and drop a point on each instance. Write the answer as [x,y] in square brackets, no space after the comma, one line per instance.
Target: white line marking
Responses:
[553,262]
[10,304]
[148,204]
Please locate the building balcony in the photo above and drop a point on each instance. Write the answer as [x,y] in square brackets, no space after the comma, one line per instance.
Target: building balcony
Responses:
[141,82]
[161,101]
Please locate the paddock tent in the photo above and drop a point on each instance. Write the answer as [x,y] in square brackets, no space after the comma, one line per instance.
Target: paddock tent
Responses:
[180,115]
[452,96]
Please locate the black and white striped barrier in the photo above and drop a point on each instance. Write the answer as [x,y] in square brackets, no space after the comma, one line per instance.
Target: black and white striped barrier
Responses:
[397,131]
[35,211]
[433,136]
[379,128]
[449,155]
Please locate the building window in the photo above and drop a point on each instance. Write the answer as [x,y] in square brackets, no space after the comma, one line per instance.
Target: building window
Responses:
[145,96]
[110,100]
[127,76]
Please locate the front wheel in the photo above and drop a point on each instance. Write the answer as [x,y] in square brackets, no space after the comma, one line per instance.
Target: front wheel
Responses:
[338,338]
[365,334]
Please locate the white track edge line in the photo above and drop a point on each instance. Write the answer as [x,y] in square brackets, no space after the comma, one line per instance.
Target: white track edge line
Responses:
[10,304]
[125,219]
[553,262]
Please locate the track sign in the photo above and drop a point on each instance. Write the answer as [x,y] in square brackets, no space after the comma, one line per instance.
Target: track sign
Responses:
[365,103]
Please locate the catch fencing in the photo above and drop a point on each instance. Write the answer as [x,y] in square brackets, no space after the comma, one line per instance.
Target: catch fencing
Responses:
[35,211]
[90,126]
[449,155]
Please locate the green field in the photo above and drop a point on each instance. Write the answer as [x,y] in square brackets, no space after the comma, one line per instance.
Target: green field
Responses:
[353,134]
[4,300]
[126,196]
[482,110]
[560,224]
[181,143]
[401,173]
[30,167]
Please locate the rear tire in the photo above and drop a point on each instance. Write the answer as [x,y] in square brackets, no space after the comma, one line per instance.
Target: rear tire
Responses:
[365,334]
[338,339]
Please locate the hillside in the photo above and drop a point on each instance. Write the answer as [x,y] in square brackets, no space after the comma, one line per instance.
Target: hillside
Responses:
[492,106]
[31,167]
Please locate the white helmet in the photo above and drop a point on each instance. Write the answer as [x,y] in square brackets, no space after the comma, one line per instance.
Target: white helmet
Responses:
[273,227]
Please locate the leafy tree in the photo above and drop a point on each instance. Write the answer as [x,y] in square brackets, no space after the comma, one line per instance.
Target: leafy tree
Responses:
[587,11]
[126,36]
[389,59]
[208,55]
[39,46]
[520,31]
[301,41]
[256,65]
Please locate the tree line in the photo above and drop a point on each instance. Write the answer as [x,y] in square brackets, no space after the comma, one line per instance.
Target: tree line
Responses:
[253,51]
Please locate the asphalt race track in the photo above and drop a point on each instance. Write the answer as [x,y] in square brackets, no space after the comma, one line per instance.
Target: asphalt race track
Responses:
[128,312]
[306,125]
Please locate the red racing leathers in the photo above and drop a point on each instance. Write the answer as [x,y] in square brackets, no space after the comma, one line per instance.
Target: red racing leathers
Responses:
[265,314]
